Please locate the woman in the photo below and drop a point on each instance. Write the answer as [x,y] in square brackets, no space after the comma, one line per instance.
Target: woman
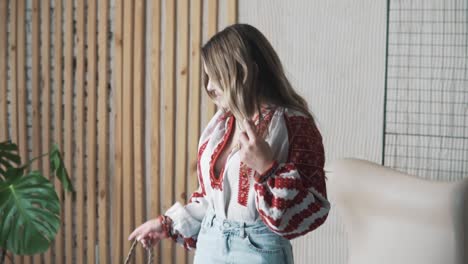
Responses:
[260,161]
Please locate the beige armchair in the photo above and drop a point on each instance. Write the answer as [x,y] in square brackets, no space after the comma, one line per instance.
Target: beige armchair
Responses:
[393,217]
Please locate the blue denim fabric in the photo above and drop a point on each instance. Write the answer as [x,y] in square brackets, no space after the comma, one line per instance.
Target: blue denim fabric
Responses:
[226,241]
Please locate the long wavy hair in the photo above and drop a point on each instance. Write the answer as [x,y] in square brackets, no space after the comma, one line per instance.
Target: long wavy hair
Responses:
[242,62]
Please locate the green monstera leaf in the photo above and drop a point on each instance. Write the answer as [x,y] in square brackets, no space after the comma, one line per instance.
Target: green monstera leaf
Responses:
[30,214]
[58,168]
[8,156]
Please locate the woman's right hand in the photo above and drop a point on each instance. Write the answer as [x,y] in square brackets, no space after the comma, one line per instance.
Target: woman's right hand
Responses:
[149,233]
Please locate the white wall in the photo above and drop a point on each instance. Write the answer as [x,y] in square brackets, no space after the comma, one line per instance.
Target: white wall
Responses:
[334,53]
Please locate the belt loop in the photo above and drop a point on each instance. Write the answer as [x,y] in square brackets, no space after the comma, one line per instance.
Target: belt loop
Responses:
[210,220]
[242,230]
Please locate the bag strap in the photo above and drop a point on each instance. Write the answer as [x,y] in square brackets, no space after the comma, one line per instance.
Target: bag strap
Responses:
[132,251]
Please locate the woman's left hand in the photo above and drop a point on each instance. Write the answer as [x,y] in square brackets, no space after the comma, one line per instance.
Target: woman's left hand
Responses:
[254,150]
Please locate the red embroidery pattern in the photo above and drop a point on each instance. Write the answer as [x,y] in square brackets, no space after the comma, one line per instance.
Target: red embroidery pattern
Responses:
[216,182]
[189,243]
[200,176]
[244,184]
[245,171]
[306,155]
[222,117]
[312,226]
[306,151]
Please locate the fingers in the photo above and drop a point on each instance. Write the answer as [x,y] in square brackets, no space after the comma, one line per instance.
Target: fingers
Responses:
[150,244]
[135,233]
[140,232]
[250,129]
[244,140]
[145,235]
[143,229]
[150,241]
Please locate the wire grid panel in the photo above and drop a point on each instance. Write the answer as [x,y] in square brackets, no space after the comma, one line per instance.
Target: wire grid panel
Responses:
[426,112]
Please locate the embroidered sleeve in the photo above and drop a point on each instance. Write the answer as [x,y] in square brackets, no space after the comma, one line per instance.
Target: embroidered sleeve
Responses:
[186,219]
[292,200]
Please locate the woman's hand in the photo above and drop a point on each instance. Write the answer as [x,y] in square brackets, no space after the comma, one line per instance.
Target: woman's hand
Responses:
[254,150]
[149,234]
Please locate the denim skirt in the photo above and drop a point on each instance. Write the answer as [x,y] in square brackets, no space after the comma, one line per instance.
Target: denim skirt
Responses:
[226,241]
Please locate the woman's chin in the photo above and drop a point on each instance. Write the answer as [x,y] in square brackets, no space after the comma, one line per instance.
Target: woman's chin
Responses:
[218,103]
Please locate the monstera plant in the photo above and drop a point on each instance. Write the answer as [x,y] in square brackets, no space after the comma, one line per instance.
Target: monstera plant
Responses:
[29,204]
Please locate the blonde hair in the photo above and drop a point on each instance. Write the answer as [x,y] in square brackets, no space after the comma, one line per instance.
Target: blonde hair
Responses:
[242,62]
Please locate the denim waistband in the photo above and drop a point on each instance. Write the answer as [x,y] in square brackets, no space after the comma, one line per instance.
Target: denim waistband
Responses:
[232,226]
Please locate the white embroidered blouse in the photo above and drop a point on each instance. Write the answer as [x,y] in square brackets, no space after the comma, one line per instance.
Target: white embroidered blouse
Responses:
[292,201]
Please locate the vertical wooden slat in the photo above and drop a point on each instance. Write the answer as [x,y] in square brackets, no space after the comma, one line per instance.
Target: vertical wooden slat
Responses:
[194,113]
[3,70]
[212,17]
[21,73]
[91,133]
[156,116]
[212,29]
[138,122]
[14,81]
[117,201]
[36,119]
[128,164]
[103,129]
[195,71]
[182,101]
[22,90]
[68,118]
[45,77]
[58,112]
[79,130]
[232,12]
[169,129]
[13,47]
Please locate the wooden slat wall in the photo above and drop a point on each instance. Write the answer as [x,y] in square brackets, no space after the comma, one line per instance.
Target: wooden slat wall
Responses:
[127,128]
[212,29]
[168,91]
[36,118]
[3,70]
[68,118]
[13,82]
[103,138]
[79,131]
[45,95]
[13,58]
[90,209]
[58,247]
[155,201]
[118,238]
[138,117]
[80,85]
[182,106]
[21,87]
[36,132]
[194,97]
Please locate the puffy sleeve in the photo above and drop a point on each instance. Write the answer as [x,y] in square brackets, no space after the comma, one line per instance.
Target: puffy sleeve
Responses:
[292,198]
[186,219]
